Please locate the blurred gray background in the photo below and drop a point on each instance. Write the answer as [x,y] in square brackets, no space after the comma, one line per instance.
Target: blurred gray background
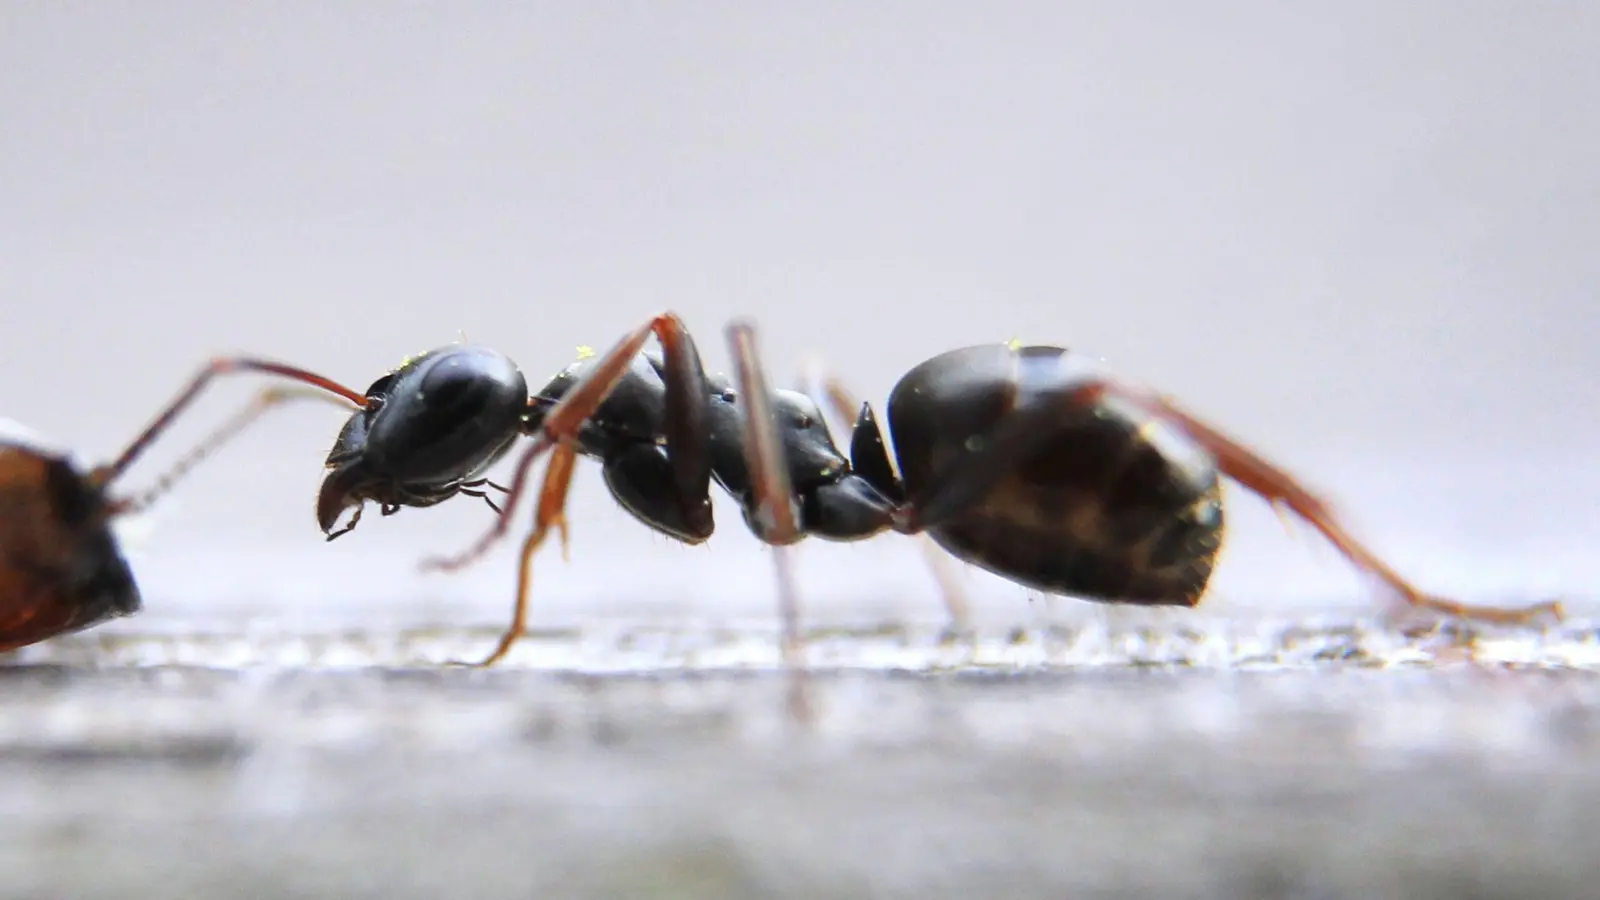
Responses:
[1358,235]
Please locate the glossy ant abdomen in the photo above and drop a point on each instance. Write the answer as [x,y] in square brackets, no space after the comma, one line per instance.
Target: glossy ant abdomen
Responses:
[1104,502]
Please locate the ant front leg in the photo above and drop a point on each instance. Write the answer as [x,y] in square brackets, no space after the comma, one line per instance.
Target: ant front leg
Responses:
[551,513]
[870,457]
[775,512]
[687,442]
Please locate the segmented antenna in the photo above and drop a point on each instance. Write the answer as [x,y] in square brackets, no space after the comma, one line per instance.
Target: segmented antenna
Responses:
[264,401]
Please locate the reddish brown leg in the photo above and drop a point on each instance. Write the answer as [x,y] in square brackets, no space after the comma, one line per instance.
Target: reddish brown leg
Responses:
[846,406]
[1283,490]
[221,366]
[552,511]
[263,402]
[774,498]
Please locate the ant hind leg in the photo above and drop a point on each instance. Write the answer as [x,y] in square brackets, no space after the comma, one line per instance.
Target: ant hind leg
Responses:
[972,473]
[1283,490]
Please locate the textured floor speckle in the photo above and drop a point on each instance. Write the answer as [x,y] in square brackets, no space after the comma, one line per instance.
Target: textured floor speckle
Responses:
[622,648]
[1238,762]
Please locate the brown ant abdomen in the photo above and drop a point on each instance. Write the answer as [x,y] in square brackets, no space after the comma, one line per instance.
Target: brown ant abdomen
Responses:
[1118,506]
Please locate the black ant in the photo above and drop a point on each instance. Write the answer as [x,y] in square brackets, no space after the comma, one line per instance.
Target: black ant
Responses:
[61,567]
[1011,458]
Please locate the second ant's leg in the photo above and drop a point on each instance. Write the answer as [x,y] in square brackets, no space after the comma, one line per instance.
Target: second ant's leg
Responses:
[1282,490]
[845,405]
[220,366]
[775,504]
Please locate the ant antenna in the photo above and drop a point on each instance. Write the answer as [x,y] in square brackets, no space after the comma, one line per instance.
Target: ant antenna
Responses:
[106,474]
[263,402]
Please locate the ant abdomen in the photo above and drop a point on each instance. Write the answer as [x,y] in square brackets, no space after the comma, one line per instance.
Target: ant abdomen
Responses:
[1112,504]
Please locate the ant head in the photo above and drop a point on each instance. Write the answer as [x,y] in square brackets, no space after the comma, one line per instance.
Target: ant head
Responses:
[439,419]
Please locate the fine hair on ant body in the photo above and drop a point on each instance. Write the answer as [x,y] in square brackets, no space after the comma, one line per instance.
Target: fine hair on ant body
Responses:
[61,567]
[1011,458]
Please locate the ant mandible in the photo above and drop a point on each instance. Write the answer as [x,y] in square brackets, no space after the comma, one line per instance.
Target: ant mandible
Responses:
[1012,458]
[61,567]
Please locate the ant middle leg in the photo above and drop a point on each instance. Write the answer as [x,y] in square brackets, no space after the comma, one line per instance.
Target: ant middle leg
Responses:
[775,512]
[687,439]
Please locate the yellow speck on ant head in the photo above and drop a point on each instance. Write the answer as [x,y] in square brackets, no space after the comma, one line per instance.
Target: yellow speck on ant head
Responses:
[411,359]
[1014,343]
[585,352]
